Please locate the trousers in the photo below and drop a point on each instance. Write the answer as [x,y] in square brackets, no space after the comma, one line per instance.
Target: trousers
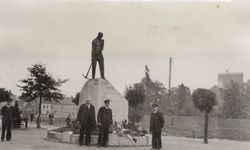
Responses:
[100,60]
[156,140]
[8,126]
[103,136]
[84,128]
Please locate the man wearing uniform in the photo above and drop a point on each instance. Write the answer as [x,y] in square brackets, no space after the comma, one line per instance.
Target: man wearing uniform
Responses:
[156,124]
[96,55]
[7,119]
[86,117]
[104,119]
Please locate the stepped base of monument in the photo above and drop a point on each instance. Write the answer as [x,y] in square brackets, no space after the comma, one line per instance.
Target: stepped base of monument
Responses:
[114,139]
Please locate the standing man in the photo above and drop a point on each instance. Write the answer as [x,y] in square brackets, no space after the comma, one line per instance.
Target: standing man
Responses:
[104,119]
[7,119]
[96,55]
[156,124]
[86,117]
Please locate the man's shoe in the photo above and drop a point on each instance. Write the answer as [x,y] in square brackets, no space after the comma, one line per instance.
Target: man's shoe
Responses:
[87,145]
[8,139]
[105,145]
[80,144]
[2,140]
[153,148]
[98,146]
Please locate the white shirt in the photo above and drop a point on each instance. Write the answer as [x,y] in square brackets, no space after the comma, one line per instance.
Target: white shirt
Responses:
[88,105]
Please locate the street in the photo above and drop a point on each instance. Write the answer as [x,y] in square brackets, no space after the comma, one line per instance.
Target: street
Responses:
[33,138]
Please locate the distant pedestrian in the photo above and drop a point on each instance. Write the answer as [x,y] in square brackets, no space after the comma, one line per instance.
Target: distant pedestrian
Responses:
[86,117]
[68,121]
[156,124]
[104,119]
[31,117]
[51,118]
[7,119]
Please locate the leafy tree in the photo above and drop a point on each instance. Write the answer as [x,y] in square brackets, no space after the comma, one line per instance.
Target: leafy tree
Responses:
[4,95]
[204,100]
[76,99]
[235,98]
[135,95]
[40,85]
[183,94]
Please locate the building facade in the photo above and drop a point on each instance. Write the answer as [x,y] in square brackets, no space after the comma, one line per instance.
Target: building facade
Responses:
[60,109]
[226,78]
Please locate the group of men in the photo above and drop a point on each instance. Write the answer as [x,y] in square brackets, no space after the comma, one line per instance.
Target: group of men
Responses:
[86,117]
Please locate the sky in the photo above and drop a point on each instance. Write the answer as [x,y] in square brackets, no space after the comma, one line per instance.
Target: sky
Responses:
[203,40]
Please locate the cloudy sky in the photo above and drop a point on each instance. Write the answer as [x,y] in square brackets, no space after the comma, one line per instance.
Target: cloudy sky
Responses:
[202,39]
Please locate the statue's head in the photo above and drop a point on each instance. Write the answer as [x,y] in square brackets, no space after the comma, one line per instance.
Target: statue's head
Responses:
[100,35]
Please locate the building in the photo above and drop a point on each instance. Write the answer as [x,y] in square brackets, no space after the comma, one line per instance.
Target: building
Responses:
[217,91]
[226,78]
[60,109]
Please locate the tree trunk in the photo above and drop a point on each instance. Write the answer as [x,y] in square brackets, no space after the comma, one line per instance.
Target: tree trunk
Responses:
[38,121]
[133,121]
[206,128]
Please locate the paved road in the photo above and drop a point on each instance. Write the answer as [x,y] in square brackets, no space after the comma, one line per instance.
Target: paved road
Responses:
[34,139]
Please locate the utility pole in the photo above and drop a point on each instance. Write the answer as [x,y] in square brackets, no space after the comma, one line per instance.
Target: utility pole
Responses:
[170,65]
[169,85]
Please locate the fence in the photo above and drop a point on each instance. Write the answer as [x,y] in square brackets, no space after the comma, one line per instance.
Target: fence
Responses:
[235,129]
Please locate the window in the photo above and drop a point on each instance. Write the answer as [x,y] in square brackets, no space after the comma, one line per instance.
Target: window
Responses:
[51,107]
[47,106]
[62,107]
[43,106]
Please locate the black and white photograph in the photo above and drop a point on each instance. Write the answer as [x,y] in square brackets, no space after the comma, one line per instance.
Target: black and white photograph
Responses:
[125,74]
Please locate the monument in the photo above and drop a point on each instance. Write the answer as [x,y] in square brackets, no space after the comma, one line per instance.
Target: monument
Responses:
[100,89]
[97,90]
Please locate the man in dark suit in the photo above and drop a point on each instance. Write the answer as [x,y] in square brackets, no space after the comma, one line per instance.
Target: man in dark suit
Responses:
[86,117]
[7,119]
[104,119]
[156,124]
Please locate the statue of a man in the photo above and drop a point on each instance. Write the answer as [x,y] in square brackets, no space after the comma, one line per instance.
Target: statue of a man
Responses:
[97,48]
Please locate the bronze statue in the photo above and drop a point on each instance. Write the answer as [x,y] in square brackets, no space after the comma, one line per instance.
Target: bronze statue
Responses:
[97,48]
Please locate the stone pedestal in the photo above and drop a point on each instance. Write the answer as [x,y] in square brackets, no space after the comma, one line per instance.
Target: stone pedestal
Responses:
[66,135]
[99,90]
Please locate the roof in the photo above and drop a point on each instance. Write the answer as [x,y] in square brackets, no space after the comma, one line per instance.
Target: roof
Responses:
[232,73]
[64,101]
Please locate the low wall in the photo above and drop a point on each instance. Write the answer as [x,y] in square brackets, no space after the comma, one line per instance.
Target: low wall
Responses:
[235,129]
[114,139]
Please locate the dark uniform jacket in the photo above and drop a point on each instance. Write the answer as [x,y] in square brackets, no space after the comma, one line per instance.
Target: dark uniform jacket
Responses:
[156,122]
[104,117]
[8,115]
[84,112]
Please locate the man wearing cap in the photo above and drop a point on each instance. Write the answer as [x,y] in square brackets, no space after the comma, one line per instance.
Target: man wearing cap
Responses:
[97,48]
[156,124]
[86,117]
[104,119]
[7,119]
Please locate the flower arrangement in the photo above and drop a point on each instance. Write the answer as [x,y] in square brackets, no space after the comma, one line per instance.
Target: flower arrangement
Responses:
[124,128]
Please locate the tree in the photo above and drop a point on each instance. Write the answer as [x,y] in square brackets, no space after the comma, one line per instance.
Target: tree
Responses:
[40,85]
[235,98]
[135,95]
[4,95]
[76,99]
[204,100]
